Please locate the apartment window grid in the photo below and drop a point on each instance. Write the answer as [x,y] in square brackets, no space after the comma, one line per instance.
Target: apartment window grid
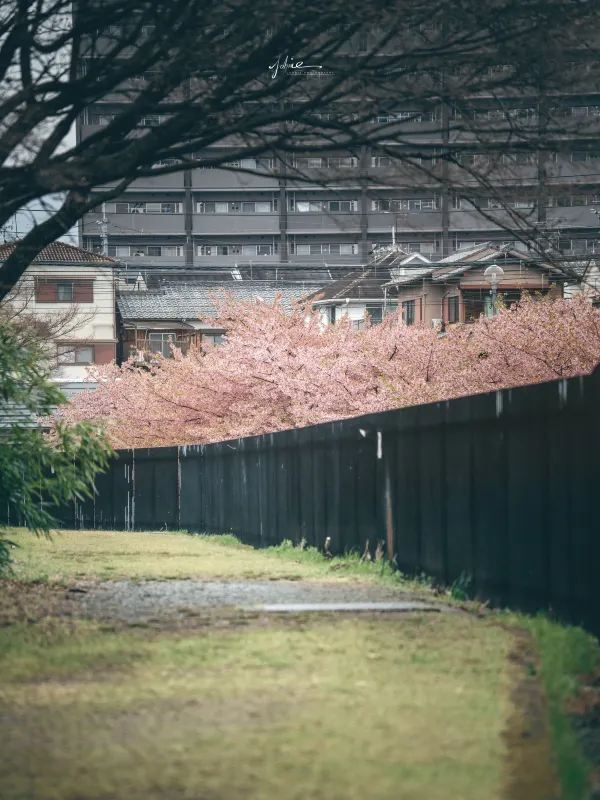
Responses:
[135,207]
[580,245]
[318,162]
[152,120]
[584,111]
[152,250]
[238,249]
[323,248]
[322,206]
[407,204]
[567,201]
[237,206]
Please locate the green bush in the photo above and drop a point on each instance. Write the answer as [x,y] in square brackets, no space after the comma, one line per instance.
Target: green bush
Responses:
[38,470]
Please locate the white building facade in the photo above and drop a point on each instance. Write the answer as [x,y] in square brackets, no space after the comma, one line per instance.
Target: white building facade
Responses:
[70,293]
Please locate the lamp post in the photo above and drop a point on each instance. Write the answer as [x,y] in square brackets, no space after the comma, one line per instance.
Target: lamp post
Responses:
[493,275]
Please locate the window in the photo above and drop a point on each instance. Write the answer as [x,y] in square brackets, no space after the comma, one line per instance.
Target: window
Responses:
[263,249]
[64,290]
[146,208]
[161,343]
[343,205]
[375,313]
[307,163]
[408,204]
[153,250]
[205,207]
[95,118]
[381,161]
[212,339]
[152,120]
[342,162]
[324,249]
[408,312]
[221,208]
[75,354]
[585,155]
[306,206]
[453,309]
[171,250]
[585,111]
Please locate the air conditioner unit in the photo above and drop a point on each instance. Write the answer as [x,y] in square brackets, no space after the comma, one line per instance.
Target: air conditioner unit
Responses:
[436,323]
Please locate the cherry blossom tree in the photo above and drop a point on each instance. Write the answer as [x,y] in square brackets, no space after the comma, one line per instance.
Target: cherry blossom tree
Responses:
[280,370]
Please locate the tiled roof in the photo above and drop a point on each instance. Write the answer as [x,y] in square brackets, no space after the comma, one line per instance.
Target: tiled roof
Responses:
[179,301]
[358,285]
[61,252]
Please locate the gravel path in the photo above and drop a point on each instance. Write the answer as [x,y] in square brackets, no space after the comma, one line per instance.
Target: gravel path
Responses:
[139,601]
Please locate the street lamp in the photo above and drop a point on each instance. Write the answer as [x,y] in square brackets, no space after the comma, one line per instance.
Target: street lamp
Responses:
[493,275]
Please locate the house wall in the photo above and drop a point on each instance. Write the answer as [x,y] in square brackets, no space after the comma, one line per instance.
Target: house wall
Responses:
[88,320]
[136,340]
[429,301]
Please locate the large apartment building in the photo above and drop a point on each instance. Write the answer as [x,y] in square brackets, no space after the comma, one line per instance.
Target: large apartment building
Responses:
[334,209]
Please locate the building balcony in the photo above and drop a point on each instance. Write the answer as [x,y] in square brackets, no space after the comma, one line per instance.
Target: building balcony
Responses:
[406,223]
[323,223]
[126,225]
[235,224]
[222,179]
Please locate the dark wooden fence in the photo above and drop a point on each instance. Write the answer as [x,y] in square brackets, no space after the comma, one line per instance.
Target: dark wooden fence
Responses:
[500,487]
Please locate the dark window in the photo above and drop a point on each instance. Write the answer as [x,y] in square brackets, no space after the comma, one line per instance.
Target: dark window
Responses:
[375,312]
[453,309]
[64,291]
[408,312]
[75,354]
[161,343]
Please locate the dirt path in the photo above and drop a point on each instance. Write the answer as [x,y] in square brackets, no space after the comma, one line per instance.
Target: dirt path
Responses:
[143,601]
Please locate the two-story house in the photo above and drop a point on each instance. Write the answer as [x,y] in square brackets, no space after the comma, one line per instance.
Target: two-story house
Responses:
[458,289]
[70,294]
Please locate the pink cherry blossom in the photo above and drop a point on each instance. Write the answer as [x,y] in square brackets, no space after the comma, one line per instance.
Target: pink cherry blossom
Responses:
[280,370]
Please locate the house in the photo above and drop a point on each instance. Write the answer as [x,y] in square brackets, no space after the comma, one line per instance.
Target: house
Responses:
[69,294]
[368,292]
[183,314]
[456,289]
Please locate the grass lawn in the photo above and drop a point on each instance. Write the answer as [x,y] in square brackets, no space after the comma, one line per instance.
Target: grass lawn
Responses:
[321,707]
[72,555]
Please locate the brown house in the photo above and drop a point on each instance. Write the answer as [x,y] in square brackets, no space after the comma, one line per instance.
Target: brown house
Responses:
[457,289]
[183,314]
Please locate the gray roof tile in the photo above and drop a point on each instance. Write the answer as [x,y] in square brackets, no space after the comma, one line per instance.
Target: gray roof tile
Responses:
[179,301]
